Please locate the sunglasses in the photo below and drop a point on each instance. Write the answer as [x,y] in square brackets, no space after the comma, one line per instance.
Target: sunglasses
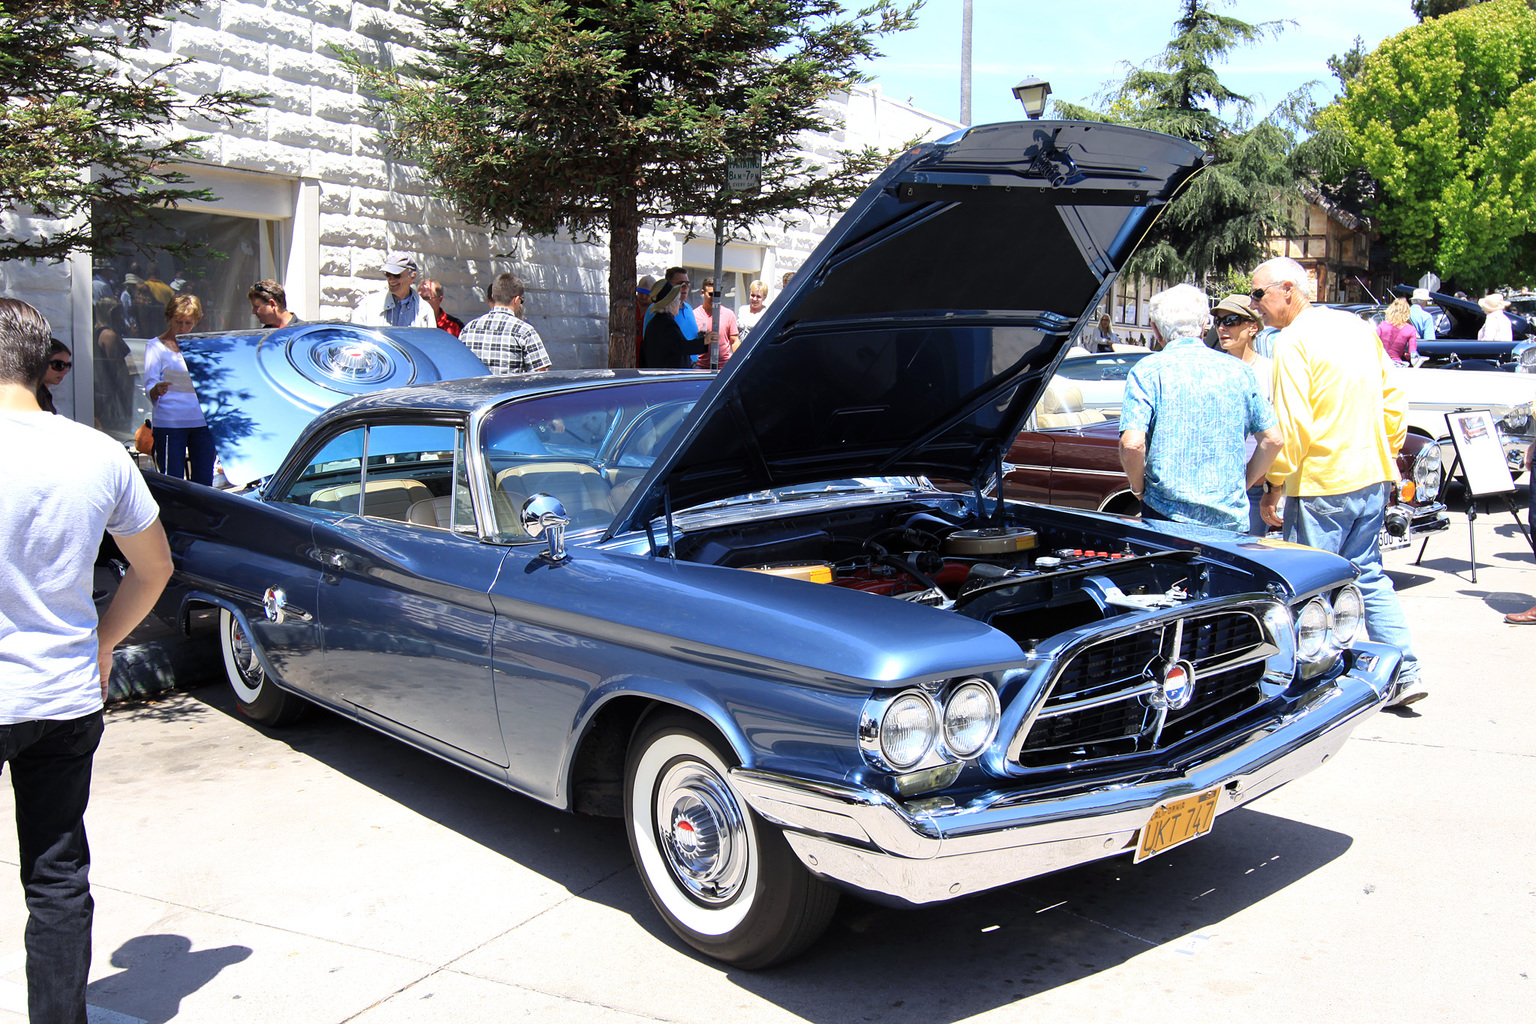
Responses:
[1231,320]
[60,365]
[1258,293]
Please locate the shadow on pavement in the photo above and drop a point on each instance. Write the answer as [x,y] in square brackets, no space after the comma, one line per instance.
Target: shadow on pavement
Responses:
[1402,580]
[951,961]
[159,971]
[551,842]
[971,955]
[1502,601]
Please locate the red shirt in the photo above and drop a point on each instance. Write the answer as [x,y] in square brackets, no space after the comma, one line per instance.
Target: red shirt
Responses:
[452,324]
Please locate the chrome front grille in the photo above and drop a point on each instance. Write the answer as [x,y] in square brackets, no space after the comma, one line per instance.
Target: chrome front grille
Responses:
[1099,703]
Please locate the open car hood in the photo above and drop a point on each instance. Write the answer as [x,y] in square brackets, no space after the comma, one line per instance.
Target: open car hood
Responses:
[1466,315]
[923,329]
[259,389]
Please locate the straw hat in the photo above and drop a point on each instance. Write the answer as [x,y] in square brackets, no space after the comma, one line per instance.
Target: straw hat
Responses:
[1493,302]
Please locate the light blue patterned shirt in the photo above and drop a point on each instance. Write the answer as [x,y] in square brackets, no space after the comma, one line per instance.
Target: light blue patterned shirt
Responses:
[1198,407]
[1422,321]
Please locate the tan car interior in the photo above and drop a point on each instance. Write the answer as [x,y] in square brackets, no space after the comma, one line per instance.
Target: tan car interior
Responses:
[1062,406]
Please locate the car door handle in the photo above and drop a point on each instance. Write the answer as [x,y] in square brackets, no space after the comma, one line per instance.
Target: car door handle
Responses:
[331,557]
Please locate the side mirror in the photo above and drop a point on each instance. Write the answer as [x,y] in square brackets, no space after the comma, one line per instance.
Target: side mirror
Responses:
[544,513]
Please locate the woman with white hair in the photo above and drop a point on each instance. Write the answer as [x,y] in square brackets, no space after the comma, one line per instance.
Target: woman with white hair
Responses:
[1496,323]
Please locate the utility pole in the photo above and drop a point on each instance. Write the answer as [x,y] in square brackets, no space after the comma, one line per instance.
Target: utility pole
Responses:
[965,62]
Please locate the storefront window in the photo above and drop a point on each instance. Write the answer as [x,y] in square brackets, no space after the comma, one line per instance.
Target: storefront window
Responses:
[130,290]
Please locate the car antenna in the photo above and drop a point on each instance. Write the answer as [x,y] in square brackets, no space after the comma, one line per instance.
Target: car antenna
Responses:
[1367,289]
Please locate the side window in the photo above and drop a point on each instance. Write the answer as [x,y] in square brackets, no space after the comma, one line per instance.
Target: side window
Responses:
[410,476]
[332,480]
[410,473]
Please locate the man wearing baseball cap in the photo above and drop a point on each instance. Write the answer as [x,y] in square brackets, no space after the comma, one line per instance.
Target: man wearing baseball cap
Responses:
[397,305]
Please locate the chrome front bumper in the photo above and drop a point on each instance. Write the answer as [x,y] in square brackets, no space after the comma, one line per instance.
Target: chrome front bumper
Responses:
[924,851]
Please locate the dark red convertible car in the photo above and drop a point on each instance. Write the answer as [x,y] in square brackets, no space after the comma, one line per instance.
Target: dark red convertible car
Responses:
[1068,455]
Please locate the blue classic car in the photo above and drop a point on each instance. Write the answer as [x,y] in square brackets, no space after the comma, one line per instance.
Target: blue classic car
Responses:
[740,612]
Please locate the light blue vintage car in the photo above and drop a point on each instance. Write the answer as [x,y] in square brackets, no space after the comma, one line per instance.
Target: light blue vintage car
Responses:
[741,612]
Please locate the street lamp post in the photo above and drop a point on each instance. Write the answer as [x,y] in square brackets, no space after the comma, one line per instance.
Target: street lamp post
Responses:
[1033,92]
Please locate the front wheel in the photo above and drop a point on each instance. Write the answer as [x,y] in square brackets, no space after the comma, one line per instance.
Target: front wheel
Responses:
[726,882]
[258,697]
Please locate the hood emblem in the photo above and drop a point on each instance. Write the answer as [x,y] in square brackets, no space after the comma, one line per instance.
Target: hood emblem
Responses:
[1173,684]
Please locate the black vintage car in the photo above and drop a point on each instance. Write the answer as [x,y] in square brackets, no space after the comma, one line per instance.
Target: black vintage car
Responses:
[1457,322]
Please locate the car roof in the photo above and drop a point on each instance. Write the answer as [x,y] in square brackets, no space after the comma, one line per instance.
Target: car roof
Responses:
[466,395]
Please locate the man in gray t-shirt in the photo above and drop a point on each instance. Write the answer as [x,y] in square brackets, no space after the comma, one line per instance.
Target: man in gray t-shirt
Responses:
[65,485]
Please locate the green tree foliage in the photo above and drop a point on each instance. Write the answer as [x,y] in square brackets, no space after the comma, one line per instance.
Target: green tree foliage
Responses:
[1426,9]
[598,115]
[1443,116]
[1221,222]
[81,132]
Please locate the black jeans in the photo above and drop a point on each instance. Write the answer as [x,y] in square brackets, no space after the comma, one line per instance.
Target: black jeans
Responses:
[51,774]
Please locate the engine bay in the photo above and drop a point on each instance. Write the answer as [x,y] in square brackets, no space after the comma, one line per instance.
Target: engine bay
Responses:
[1031,580]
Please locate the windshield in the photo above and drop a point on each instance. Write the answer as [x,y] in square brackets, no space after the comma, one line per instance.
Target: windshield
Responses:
[1110,366]
[587,448]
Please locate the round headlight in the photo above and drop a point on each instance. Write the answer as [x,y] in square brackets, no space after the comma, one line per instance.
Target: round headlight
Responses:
[970,719]
[1312,629]
[1427,473]
[1348,616]
[907,730]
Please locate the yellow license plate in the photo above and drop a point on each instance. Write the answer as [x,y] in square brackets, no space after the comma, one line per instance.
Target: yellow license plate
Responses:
[1178,821]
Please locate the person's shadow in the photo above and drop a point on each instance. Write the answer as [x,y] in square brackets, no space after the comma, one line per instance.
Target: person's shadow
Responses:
[158,971]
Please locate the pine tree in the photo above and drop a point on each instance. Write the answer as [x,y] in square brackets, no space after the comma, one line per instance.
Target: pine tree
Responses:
[1222,222]
[597,115]
[84,141]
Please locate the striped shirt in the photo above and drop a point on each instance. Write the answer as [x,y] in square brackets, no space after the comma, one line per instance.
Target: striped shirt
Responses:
[505,344]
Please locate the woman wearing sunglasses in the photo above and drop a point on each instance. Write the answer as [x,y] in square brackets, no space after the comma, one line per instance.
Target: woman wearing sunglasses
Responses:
[1236,326]
[60,362]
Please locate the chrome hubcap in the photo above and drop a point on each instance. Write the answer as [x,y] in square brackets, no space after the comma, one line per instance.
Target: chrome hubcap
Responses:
[702,832]
[245,655]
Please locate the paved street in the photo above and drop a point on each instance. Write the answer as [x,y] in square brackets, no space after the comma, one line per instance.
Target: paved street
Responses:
[324,874]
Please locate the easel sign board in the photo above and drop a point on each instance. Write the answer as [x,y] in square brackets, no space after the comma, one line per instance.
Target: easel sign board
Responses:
[1482,456]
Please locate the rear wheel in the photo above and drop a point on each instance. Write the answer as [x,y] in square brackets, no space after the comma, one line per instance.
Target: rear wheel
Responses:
[258,697]
[726,882]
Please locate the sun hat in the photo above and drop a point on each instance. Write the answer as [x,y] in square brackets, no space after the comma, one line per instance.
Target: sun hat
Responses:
[1242,305]
[664,295]
[1421,295]
[399,263]
[1492,302]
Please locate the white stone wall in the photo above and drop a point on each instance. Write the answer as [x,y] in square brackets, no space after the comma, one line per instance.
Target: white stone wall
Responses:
[317,127]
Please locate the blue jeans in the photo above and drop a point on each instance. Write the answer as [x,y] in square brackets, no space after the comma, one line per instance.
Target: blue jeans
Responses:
[51,775]
[176,446]
[1349,525]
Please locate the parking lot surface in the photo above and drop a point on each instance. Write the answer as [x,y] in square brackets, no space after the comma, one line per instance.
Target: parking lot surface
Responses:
[322,873]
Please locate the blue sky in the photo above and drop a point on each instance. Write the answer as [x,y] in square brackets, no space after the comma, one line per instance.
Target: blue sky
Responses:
[1078,47]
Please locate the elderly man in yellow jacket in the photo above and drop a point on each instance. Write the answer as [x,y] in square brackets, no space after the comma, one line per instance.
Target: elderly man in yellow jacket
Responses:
[1343,422]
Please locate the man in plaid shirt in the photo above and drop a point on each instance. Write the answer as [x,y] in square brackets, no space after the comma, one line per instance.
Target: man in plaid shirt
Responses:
[503,341]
